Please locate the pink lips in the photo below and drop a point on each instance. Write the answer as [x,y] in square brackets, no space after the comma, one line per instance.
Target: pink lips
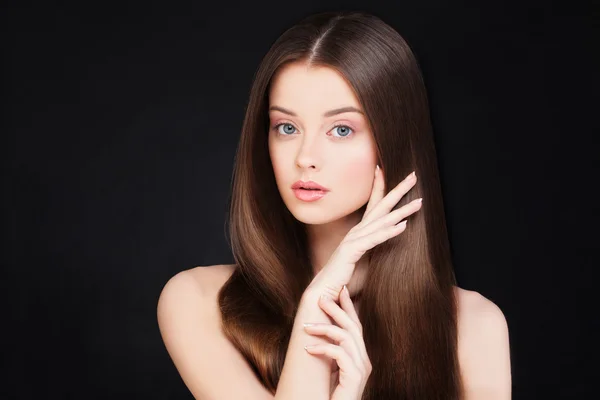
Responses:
[309,191]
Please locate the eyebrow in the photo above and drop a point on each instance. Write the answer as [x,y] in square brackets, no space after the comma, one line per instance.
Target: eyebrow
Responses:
[327,114]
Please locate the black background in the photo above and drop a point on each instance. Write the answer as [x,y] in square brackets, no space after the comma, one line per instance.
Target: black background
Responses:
[121,124]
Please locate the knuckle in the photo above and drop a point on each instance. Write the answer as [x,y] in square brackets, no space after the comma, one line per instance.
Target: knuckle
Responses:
[342,333]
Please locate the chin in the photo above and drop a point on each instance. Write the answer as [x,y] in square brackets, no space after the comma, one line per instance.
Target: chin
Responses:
[320,214]
[314,218]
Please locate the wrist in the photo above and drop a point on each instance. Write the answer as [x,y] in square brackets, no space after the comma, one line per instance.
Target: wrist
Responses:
[309,309]
[310,295]
[313,292]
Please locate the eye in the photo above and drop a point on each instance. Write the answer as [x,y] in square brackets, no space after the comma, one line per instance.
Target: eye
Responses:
[287,128]
[344,131]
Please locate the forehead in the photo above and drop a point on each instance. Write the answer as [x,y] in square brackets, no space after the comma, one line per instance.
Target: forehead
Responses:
[303,88]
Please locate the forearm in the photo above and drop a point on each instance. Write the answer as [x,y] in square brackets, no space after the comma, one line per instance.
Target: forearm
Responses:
[305,376]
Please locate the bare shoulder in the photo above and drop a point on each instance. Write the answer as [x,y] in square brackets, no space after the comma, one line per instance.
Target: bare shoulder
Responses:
[211,278]
[483,346]
[191,285]
[191,291]
[476,312]
[189,321]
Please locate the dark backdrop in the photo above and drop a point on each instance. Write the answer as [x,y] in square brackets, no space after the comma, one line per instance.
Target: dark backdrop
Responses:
[120,128]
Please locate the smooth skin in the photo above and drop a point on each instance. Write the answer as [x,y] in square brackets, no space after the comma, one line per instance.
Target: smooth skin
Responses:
[189,322]
[347,347]
[303,378]
[318,131]
[188,314]
[377,225]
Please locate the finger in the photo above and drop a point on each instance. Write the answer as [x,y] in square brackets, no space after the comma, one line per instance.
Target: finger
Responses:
[348,306]
[340,336]
[391,199]
[342,319]
[386,220]
[378,190]
[356,248]
[343,359]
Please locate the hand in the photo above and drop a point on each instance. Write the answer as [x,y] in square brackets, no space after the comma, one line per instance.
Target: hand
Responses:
[377,225]
[348,350]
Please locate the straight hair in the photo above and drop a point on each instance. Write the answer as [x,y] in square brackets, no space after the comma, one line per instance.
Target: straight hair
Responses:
[408,305]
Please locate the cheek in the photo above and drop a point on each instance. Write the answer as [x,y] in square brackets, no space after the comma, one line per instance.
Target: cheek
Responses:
[277,162]
[360,173]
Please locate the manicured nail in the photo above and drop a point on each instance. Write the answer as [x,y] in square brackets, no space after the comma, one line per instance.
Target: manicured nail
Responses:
[346,290]
[307,324]
[411,175]
[308,347]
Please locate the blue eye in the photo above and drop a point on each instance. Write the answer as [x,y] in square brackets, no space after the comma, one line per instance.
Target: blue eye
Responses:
[345,132]
[284,124]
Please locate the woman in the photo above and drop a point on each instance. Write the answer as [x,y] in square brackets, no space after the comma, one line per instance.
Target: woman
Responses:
[336,97]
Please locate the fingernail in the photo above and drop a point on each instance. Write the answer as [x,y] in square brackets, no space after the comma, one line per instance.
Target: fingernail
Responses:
[307,324]
[346,290]
[308,347]
[411,175]
[325,297]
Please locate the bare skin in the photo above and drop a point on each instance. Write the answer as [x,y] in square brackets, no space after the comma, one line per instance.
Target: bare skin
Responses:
[483,347]
[337,151]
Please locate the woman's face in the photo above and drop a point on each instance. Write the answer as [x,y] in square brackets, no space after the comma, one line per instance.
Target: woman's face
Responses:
[308,146]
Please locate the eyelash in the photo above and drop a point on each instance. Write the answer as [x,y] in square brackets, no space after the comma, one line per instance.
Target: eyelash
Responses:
[276,127]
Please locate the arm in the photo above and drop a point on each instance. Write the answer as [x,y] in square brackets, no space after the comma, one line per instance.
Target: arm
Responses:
[211,367]
[305,376]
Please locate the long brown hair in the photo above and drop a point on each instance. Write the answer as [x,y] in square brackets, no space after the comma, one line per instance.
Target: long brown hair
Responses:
[408,307]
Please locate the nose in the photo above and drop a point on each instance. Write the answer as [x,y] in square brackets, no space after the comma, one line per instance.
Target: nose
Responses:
[307,154]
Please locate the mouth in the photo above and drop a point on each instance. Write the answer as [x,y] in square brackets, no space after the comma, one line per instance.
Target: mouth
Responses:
[309,185]
[308,194]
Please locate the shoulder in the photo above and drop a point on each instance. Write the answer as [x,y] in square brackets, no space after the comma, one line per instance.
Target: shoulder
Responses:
[189,321]
[483,346]
[210,279]
[190,289]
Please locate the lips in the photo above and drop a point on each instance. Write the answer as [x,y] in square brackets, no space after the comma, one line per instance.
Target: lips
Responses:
[310,185]
[309,191]
[309,195]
